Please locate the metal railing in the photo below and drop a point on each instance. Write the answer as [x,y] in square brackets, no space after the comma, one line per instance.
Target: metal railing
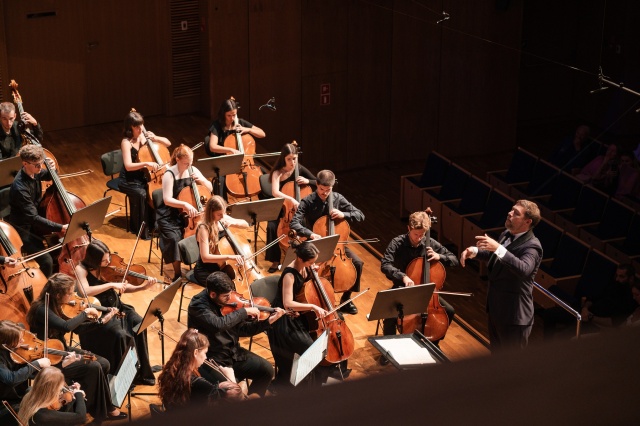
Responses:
[563,305]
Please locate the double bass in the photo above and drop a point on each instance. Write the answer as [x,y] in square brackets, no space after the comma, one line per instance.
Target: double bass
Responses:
[293,190]
[339,268]
[434,323]
[19,284]
[246,183]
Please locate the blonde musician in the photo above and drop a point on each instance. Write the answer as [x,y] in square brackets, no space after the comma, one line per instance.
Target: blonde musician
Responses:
[135,182]
[281,174]
[180,384]
[178,176]
[208,235]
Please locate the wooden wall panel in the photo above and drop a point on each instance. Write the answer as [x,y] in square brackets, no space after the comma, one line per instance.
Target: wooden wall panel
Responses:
[275,69]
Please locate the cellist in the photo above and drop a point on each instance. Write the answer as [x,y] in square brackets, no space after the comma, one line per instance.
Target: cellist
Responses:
[313,207]
[25,197]
[282,173]
[224,126]
[10,138]
[407,247]
[135,184]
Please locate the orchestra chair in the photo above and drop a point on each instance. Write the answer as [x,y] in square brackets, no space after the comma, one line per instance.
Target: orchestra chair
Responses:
[549,236]
[564,195]
[541,182]
[266,287]
[189,254]
[564,270]
[588,211]
[112,164]
[627,249]
[265,186]
[411,186]
[473,201]
[5,207]
[614,225]
[518,173]
[156,198]
[454,185]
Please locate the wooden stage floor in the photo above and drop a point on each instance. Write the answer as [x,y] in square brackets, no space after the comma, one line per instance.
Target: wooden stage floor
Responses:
[78,149]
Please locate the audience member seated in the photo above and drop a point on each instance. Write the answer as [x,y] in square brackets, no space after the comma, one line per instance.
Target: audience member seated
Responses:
[572,155]
[629,172]
[596,168]
[634,319]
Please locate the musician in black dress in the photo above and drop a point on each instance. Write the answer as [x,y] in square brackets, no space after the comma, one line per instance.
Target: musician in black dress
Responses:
[92,375]
[135,183]
[290,335]
[224,126]
[281,174]
[180,385]
[313,207]
[116,336]
[178,176]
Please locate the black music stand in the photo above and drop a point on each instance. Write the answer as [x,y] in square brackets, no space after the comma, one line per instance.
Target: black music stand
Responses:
[9,168]
[407,351]
[255,212]
[325,245]
[159,306]
[86,219]
[398,302]
[214,167]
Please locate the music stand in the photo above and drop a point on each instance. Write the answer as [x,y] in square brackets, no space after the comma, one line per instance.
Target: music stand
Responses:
[255,212]
[398,302]
[86,219]
[408,351]
[9,168]
[120,383]
[214,167]
[325,245]
[159,306]
[305,363]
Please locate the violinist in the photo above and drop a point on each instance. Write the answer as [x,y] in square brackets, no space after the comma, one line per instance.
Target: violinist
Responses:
[169,220]
[407,247]
[208,235]
[13,377]
[10,138]
[281,174]
[40,406]
[314,206]
[290,335]
[92,375]
[180,385]
[135,183]
[25,196]
[224,126]
[112,341]
[224,332]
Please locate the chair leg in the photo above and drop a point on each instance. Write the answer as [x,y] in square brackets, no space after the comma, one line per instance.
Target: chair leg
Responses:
[184,284]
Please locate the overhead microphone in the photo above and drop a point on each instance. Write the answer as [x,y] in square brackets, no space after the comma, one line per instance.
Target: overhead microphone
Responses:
[271,104]
[598,90]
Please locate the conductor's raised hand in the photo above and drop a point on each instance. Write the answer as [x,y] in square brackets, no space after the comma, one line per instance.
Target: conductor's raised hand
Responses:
[485,242]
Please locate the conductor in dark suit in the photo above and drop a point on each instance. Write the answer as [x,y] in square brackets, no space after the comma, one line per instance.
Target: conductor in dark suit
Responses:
[513,261]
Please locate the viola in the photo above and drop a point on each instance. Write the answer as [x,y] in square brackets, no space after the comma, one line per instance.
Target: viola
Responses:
[296,191]
[77,305]
[19,284]
[339,268]
[32,348]
[114,272]
[434,323]
[238,301]
[246,183]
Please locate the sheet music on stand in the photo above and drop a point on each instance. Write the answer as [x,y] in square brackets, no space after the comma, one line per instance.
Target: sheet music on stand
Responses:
[406,351]
[305,363]
[120,383]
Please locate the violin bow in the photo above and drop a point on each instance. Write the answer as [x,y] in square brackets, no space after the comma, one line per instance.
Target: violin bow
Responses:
[126,271]
[12,411]
[82,290]
[346,302]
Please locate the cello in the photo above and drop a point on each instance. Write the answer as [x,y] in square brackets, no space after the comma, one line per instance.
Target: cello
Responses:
[296,191]
[435,322]
[339,268]
[246,183]
[231,245]
[196,195]
[19,283]
[152,152]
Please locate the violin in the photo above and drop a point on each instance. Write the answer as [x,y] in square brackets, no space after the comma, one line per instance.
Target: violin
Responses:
[32,348]
[238,301]
[296,191]
[339,268]
[246,183]
[77,305]
[114,272]
[434,323]
[19,284]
